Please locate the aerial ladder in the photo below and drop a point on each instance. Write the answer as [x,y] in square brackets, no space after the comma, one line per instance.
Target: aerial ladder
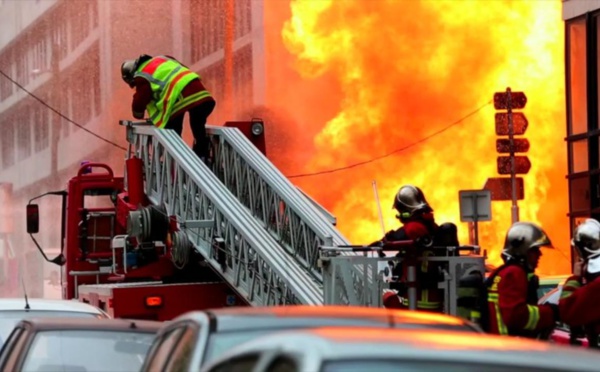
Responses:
[297,244]
[270,242]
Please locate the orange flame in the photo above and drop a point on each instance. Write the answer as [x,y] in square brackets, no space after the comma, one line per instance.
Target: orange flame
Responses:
[404,73]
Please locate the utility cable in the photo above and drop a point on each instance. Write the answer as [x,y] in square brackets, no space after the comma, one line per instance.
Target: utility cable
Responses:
[424,139]
[59,113]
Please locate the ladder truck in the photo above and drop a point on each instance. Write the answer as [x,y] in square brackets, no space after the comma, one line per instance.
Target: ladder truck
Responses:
[178,234]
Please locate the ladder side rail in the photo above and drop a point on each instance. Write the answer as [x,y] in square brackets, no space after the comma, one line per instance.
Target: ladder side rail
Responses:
[292,229]
[178,179]
[301,226]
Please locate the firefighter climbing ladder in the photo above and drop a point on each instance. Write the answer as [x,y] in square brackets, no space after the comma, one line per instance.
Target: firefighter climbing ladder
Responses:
[270,231]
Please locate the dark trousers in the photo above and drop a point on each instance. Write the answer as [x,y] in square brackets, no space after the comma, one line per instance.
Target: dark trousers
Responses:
[198,116]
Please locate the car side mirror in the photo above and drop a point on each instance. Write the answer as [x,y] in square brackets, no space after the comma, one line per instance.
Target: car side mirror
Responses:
[33,219]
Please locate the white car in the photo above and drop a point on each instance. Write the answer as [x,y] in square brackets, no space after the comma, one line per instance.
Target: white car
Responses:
[12,310]
[351,349]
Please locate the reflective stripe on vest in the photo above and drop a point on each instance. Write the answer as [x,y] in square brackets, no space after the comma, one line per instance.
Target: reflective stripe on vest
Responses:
[532,320]
[423,303]
[167,79]
[493,298]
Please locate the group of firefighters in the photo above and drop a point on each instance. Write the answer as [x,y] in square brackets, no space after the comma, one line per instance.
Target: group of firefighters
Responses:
[167,89]
[512,300]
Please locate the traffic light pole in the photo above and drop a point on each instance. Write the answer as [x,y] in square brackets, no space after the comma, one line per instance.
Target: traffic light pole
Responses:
[513,177]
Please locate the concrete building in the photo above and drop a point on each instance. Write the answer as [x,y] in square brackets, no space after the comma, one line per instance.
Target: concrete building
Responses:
[68,55]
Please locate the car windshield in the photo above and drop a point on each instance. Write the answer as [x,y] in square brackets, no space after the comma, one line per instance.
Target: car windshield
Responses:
[9,318]
[221,342]
[85,350]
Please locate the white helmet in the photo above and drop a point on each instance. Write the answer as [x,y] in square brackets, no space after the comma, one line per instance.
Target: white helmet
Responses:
[586,238]
[523,236]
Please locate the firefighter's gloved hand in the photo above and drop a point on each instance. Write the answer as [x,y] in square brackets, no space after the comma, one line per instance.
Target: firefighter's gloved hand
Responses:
[555,311]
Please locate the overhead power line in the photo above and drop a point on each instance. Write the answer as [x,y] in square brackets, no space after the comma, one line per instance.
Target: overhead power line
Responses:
[59,113]
[364,162]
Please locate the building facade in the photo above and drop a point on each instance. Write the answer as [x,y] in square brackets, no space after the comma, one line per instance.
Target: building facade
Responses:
[582,48]
[68,55]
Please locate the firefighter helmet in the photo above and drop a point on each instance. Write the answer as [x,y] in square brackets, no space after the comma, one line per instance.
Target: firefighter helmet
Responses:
[523,236]
[586,238]
[130,66]
[410,199]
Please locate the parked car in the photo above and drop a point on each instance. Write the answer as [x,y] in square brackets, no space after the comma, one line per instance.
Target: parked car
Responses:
[77,344]
[194,338]
[350,349]
[12,310]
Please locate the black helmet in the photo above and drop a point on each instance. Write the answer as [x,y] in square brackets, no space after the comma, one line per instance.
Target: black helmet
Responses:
[130,66]
[410,199]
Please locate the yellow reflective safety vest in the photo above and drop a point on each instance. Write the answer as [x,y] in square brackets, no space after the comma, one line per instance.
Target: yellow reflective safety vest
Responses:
[167,78]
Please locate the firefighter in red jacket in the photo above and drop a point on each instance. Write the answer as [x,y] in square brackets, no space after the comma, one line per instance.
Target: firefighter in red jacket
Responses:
[512,290]
[418,224]
[579,297]
[167,89]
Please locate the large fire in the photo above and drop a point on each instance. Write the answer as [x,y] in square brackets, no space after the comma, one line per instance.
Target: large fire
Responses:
[402,74]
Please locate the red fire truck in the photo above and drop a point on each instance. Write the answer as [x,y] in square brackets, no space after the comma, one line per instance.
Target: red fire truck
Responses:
[117,249]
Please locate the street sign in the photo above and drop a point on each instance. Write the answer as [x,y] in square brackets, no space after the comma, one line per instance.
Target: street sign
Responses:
[519,123]
[501,189]
[518,100]
[520,144]
[522,164]
[475,205]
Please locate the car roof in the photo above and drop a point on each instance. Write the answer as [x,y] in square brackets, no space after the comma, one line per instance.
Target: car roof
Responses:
[248,318]
[13,304]
[66,323]
[347,343]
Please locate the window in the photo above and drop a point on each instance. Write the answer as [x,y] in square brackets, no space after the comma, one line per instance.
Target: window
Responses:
[161,350]
[41,125]
[580,194]
[207,26]
[577,74]
[243,18]
[579,156]
[53,350]
[242,80]
[8,143]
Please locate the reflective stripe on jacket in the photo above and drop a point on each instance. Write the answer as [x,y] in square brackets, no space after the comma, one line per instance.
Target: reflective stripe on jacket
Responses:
[167,78]
[514,311]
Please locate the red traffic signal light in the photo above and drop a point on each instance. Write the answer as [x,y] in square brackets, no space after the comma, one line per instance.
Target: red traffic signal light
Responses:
[522,164]
[519,123]
[518,100]
[520,145]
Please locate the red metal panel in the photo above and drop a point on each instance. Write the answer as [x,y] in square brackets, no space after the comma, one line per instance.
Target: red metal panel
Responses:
[129,302]
[246,128]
